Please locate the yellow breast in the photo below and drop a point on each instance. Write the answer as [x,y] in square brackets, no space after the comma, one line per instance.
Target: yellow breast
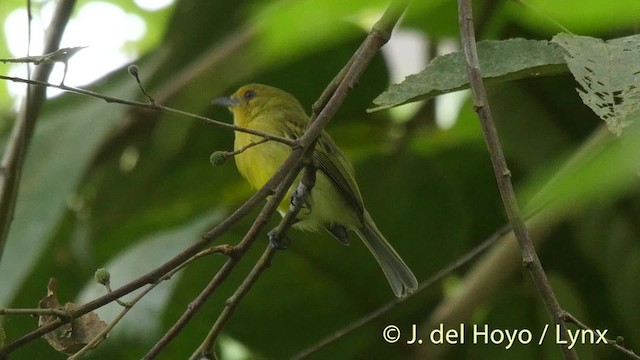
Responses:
[258,163]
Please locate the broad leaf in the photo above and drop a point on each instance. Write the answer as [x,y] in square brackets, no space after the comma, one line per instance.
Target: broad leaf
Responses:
[499,61]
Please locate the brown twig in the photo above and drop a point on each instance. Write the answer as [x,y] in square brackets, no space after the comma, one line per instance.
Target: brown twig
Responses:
[151,106]
[323,110]
[155,274]
[205,350]
[35,312]
[616,343]
[228,154]
[290,169]
[22,132]
[503,175]
[284,177]
[219,249]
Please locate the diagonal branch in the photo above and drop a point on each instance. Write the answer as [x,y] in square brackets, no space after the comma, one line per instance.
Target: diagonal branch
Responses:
[290,169]
[280,181]
[325,108]
[157,273]
[503,175]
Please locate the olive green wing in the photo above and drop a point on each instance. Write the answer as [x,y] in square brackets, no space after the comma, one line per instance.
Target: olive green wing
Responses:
[332,162]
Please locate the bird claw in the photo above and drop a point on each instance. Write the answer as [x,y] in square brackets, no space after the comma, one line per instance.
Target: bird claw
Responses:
[276,242]
[296,199]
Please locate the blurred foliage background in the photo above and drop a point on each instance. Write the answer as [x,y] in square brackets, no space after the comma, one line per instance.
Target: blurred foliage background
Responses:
[116,187]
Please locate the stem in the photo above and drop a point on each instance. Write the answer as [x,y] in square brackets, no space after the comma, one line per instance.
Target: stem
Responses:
[503,175]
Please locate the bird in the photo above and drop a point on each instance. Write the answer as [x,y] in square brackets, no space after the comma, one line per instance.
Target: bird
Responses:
[335,202]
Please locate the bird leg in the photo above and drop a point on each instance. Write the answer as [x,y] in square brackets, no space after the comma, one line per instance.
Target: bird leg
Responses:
[300,196]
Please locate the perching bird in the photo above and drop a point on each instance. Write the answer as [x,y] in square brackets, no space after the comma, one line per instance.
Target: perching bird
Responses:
[334,203]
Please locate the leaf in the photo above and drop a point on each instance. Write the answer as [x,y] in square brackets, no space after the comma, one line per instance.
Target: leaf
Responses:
[499,61]
[608,74]
[71,337]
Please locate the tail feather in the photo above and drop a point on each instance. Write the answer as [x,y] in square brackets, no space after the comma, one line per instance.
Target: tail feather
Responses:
[400,277]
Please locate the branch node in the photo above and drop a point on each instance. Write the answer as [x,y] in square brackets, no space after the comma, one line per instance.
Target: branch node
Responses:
[234,252]
[227,250]
[478,105]
[297,144]
[383,35]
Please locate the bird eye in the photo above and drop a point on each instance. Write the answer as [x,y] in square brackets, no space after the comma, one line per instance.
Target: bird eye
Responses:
[249,94]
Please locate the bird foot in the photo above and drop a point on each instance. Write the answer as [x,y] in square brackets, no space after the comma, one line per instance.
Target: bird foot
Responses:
[277,242]
[297,196]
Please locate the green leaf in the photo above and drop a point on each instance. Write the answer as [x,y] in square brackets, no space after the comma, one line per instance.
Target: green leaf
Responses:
[608,74]
[499,61]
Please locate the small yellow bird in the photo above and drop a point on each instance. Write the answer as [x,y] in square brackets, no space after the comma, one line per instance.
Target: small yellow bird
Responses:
[334,203]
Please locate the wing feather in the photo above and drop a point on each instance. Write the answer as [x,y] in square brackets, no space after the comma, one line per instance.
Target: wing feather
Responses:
[332,162]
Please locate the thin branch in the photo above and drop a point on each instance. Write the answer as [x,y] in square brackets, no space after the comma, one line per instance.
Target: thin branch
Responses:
[135,72]
[151,106]
[288,171]
[377,38]
[22,132]
[205,351]
[228,154]
[617,343]
[171,264]
[63,314]
[503,175]
[219,249]
[455,265]
[286,174]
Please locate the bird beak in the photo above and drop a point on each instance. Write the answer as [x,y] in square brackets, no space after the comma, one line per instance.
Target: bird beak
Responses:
[226,101]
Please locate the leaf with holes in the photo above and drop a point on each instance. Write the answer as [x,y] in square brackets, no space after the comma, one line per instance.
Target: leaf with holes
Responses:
[608,73]
[503,60]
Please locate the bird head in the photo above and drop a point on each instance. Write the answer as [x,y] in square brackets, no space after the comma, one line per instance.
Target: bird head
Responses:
[254,100]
